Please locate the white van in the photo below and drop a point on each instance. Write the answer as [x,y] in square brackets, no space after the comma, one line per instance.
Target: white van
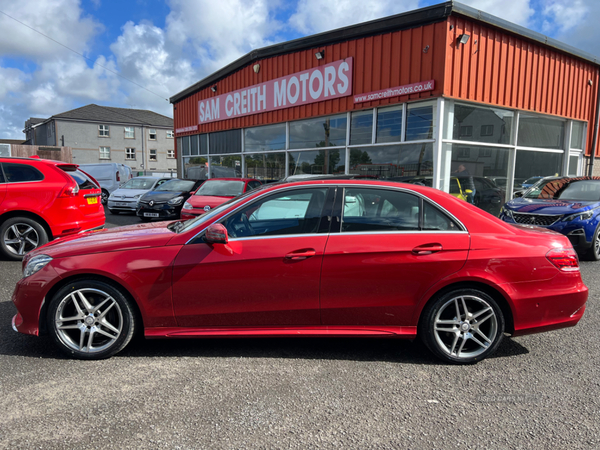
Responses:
[109,175]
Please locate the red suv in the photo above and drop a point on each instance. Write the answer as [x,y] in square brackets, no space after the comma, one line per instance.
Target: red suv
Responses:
[41,200]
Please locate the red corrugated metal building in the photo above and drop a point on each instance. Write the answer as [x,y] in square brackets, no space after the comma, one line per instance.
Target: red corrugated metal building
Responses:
[429,93]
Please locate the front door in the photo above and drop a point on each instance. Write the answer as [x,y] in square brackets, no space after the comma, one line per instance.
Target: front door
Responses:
[392,246]
[267,275]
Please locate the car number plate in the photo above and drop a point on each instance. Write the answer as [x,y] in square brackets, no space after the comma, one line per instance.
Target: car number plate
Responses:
[150,214]
[92,200]
[122,204]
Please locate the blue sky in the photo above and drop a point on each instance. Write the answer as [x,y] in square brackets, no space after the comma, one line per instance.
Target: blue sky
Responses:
[166,46]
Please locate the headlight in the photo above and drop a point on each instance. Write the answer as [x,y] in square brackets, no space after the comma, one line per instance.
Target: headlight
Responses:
[137,196]
[36,264]
[187,205]
[581,216]
[175,201]
[507,212]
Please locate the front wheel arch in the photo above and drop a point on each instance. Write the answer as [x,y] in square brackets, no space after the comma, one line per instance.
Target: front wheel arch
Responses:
[139,321]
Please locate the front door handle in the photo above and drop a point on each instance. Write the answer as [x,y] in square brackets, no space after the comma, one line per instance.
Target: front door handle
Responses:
[427,249]
[298,255]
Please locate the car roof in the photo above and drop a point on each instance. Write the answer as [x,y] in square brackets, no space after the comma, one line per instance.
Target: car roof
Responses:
[233,179]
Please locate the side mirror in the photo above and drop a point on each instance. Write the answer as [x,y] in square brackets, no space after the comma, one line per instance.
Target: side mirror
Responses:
[518,194]
[216,234]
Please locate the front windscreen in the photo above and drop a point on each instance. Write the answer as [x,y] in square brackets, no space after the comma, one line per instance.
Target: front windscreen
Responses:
[139,183]
[566,189]
[225,188]
[177,186]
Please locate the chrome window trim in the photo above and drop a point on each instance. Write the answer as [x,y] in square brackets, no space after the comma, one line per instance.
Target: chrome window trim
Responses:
[341,185]
[356,233]
[277,236]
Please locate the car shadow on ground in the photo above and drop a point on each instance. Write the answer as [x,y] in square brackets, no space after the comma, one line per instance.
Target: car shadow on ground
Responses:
[350,349]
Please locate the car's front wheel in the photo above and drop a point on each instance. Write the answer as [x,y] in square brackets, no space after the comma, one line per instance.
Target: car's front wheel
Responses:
[20,235]
[104,197]
[462,326]
[90,319]
[593,254]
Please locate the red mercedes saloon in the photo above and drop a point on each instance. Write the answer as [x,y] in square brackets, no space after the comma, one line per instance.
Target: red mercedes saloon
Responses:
[310,258]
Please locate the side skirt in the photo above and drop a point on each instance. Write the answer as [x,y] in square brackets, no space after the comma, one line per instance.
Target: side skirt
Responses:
[314,331]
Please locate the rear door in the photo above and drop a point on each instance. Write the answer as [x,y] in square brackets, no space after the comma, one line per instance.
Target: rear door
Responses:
[390,248]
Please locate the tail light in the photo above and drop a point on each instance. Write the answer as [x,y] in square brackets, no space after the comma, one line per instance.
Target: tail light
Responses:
[118,176]
[71,189]
[565,259]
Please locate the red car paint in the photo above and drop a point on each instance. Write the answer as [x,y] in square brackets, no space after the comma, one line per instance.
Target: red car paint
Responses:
[200,204]
[315,284]
[52,201]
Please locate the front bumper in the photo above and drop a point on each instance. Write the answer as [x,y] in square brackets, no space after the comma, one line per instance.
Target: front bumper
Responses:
[159,211]
[122,205]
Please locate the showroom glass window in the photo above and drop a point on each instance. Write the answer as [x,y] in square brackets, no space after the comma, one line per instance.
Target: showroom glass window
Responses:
[482,124]
[326,161]
[226,166]
[419,122]
[389,124]
[361,127]
[267,138]
[320,132]
[391,161]
[266,167]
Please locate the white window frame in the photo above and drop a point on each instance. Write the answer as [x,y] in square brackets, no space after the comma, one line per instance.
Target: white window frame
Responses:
[153,157]
[152,131]
[102,129]
[125,131]
[170,134]
[171,154]
[129,154]
[100,149]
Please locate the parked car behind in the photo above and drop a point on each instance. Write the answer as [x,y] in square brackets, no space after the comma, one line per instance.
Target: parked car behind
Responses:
[109,175]
[41,200]
[319,258]
[166,201]
[568,205]
[214,192]
[125,198]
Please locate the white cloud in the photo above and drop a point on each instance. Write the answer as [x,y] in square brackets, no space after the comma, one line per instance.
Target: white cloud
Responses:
[62,20]
[516,11]
[563,15]
[314,16]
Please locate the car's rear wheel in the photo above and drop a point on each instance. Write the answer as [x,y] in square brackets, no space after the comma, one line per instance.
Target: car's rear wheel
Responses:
[20,235]
[90,319]
[462,326]
[104,196]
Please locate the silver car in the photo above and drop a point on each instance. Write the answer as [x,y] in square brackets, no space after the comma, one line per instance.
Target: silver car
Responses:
[125,198]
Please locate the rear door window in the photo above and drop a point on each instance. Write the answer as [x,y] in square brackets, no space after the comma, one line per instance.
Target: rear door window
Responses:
[21,173]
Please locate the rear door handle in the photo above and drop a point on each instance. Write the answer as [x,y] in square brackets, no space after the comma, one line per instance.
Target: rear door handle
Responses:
[427,249]
[298,255]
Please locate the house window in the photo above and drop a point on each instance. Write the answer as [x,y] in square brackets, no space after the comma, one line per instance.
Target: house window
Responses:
[466,131]
[104,152]
[129,133]
[170,153]
[130,153]
[487,130]
[464,152]
[103,131]
[485,152]
[153,156]
[170,134]
[152,134]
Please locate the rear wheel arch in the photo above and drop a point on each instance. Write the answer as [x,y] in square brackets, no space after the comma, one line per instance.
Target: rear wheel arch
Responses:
[29,215]
[58,286]
[486,288]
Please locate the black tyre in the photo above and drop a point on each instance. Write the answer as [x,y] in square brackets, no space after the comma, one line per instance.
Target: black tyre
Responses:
[90,319]
[593,254]
[20,235]
[462,326]
[104,197]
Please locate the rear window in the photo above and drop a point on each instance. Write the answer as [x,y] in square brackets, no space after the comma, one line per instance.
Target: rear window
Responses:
[19,173]
[566,189]
[227,188]
[82,180]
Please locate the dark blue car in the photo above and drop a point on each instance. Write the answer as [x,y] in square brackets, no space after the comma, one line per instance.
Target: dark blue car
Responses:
[568,205]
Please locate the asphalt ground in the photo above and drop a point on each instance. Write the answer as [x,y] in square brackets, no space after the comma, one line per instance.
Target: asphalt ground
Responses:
[537,392]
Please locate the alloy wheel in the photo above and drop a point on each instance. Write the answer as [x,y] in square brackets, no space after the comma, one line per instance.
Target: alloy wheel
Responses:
[21,238]
[88,320]
[465,327]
